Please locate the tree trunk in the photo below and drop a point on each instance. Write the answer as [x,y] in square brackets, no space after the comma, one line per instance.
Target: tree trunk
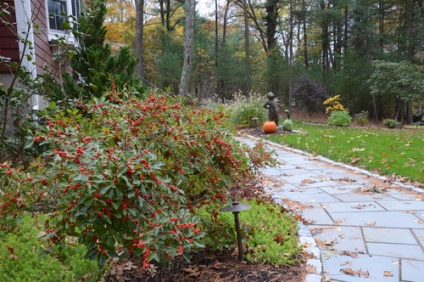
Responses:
[324,44]
[291,56]
[188,46]
[271,7]
[247,48]
[139,31]
[305,36]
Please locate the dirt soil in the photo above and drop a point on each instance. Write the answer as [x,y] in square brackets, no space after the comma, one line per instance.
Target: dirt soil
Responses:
[211,266]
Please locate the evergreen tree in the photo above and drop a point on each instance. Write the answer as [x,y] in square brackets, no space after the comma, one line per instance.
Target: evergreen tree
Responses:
[94,68]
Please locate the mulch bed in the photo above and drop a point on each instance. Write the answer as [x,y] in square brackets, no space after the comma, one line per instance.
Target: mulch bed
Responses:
[207,266]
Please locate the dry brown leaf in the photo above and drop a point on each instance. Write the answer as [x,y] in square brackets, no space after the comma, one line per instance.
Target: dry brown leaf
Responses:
[359,273]
[193,271]
[388,273]
[411,211]
[347,253]
[325,244]
[370,223]
[355,160]
[359,207]
[320,243]
[338,221]
[307,181]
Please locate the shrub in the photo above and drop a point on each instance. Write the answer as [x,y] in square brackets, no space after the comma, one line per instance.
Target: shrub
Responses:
[269,232]
[128,174]
[334,105]
[244,109]
[310,94]
[361,118]
[391,123]
[339,118]
[25,258]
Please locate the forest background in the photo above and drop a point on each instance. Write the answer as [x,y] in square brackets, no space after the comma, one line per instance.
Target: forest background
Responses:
[352,48]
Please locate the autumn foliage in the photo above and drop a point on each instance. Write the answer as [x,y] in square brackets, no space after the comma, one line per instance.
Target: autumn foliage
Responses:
[125,176]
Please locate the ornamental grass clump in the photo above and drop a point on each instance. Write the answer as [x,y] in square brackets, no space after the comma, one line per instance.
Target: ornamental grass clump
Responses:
[243,110]
[127,174]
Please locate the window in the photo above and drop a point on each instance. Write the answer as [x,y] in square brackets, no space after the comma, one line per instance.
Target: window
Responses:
[59,10]
[57,13]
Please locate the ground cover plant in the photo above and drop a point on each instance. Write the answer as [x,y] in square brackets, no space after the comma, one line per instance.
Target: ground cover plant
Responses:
[124,176]
[269,232]
[23,257]
[389,152]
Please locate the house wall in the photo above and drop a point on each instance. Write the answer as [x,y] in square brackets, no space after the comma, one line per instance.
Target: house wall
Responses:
[8,43]
[44,53]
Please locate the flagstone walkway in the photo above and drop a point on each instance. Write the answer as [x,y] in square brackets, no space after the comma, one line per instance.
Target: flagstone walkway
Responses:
[364,228]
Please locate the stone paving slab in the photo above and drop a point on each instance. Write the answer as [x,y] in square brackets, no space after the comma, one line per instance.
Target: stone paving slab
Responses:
[341,189]
[352,207]
[343,239]
[310,196]
[412,270]
[389,235]
[419,233]
[317,215]
[404,195]
[393,219]
[364,197]
[396,250]
[402,205]
[368,268]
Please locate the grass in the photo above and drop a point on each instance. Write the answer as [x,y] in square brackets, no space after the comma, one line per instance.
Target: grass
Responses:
[384,151]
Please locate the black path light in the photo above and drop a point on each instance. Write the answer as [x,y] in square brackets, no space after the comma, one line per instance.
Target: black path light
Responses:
[235,208]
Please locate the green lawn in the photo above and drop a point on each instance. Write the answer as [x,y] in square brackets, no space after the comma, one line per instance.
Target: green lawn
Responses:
[385,151]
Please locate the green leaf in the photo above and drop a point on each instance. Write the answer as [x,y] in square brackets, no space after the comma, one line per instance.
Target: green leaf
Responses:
[29,144]
[81,177]
[104,190]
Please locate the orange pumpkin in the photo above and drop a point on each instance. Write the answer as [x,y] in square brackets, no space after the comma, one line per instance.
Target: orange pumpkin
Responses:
[269,127]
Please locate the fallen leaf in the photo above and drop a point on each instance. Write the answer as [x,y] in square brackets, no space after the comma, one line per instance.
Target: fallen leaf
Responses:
[320,243]
[347,253]
[411,212]
[307,181]
[359,273]
[370,223]
[359,207]
[388,274]
[338,221]
[355,160]
[193,271]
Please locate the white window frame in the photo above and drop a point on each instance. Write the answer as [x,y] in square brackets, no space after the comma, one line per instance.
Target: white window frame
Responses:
[55,34]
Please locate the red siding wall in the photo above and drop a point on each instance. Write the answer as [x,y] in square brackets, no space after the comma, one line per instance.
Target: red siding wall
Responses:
[41,40]
[8,41]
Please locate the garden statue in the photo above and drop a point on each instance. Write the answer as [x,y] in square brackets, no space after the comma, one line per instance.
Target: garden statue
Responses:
[272,107]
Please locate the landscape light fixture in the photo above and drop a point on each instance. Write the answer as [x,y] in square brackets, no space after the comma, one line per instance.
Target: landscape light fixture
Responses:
[235,208]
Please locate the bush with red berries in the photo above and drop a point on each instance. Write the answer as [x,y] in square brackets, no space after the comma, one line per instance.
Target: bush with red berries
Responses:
[125,176]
